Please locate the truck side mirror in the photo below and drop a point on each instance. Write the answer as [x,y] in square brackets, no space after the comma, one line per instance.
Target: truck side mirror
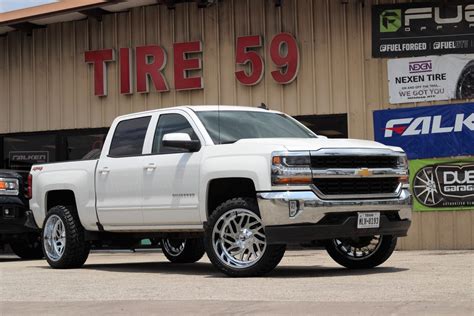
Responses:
[181,140]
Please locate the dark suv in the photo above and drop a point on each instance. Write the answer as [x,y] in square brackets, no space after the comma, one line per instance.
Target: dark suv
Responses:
[17,225]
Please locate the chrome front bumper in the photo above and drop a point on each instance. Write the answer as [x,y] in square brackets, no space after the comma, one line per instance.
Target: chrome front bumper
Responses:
[274,206]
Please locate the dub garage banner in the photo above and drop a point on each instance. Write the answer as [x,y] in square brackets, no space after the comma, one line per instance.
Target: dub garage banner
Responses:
[442,184]
[428,131]
[431,78]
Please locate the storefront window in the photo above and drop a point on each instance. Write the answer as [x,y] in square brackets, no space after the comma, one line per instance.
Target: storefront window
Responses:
[78,146]
[331,125]
[20,152]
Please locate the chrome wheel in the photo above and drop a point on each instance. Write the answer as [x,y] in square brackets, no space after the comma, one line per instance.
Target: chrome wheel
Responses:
[424,187]
[358,249]
[54,238]
[238,238]
[174,247]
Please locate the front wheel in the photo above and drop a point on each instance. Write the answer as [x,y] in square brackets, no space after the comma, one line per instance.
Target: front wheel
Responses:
[361,252]
[178,250]
[63,239]
[235,240]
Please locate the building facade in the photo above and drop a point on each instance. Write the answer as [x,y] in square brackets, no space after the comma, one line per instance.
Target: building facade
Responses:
[49,95]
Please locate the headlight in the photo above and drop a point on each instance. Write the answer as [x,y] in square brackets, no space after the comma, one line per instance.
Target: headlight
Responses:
[403,162]
[9,186]
[291,168]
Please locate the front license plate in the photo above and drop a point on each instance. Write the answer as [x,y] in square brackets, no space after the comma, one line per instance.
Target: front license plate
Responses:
[368,220]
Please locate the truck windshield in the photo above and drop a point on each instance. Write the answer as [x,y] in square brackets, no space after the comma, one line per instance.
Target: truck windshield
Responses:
[226,127]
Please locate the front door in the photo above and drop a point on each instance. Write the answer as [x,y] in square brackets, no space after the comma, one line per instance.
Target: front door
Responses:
[119,175]
[171,184]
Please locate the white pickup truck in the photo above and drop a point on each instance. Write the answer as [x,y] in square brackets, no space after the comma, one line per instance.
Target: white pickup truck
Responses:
[237,183]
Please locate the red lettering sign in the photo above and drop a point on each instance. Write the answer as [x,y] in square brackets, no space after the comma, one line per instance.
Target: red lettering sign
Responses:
[150,61]
[288,64]
[99,59]
[182,66]
[243,57]
[125,71]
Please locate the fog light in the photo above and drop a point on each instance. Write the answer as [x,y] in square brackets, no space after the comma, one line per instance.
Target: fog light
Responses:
[8,212]
[294,208]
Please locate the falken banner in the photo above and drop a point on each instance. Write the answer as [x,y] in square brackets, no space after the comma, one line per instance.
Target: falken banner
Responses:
[421,29]
[442,184]
[428,131]
[431,78]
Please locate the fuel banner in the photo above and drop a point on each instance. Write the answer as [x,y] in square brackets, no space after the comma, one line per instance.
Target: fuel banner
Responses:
[421,29]
[442,184]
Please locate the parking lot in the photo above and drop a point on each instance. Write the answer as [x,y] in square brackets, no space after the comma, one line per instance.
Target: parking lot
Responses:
[306,282]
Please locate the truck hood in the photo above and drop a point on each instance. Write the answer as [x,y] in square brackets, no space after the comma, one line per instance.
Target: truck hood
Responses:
[294,144]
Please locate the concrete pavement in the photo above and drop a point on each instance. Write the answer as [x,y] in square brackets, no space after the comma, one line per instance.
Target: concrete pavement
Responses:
[306,282]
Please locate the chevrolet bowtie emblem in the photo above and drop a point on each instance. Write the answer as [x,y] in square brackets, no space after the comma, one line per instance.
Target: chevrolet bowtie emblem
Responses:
[364,172]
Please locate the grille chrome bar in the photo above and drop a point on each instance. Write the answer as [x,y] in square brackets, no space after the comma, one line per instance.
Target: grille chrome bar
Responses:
[356,173]
[323,196]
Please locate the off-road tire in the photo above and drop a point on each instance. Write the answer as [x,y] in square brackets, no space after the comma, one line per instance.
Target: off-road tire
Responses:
[193,251]
[383,252]
[28,249]
[77,249]
[270,258]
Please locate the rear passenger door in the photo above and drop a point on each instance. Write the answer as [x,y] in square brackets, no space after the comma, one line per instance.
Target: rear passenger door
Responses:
[119,175]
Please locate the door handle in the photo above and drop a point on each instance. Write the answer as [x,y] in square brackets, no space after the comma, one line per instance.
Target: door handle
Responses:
[105,170]
[150,167]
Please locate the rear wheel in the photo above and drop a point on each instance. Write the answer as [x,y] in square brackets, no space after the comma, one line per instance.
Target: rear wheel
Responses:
[361,252]
[178,250]
[28,249]
[235,240]
[63,239]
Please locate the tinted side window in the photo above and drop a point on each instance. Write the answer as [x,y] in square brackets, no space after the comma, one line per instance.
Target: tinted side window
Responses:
[129,137]
[171,123]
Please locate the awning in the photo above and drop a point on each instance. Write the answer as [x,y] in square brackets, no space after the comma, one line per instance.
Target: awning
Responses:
[72,10]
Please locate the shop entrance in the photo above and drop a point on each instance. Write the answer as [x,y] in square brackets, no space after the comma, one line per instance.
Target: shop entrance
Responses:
[20,151]
[331,125]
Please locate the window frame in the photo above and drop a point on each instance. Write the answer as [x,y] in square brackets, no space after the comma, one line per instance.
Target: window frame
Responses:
[152,131]
[109,143]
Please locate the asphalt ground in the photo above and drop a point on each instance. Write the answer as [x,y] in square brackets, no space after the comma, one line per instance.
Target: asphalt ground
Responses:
[306,282]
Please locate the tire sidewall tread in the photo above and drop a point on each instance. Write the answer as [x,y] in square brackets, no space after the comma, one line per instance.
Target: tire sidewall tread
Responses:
[193,251]
[381,255]
[77,249]
[273,253]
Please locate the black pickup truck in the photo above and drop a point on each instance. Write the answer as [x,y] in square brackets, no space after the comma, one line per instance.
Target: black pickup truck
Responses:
[17,225]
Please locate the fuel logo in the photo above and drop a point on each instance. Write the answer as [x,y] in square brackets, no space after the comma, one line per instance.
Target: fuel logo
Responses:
[390,20]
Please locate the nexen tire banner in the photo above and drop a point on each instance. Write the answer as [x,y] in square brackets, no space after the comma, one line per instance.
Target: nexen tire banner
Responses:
[431,78]
[442,184]
[420,29]
[428,131]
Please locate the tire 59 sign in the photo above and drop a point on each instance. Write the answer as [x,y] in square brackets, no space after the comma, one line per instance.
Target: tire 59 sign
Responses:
[149,62]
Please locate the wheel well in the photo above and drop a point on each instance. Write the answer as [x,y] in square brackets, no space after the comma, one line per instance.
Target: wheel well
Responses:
[60,197]
[221,190]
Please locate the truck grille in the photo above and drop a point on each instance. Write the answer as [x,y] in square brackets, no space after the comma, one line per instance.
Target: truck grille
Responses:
[356,186]
[327,162]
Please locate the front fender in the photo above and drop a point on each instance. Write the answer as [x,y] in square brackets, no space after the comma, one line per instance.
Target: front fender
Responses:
[253,167]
